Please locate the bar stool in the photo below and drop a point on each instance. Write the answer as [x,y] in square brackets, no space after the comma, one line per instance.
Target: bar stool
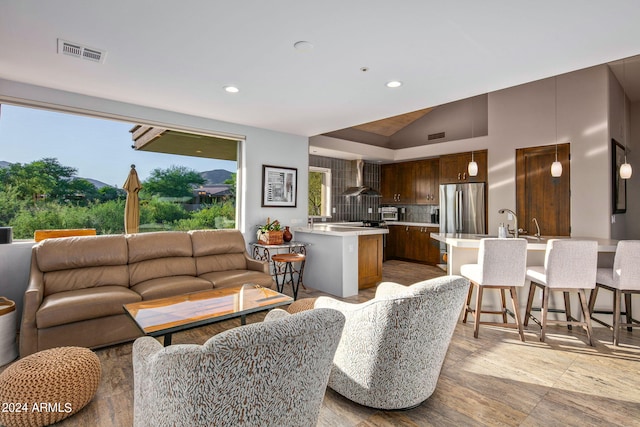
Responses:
[569,266]
[502,265]
[288,260]
[622,279]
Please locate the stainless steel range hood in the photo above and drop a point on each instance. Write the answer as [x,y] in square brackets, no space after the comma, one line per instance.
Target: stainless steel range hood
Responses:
[360,189]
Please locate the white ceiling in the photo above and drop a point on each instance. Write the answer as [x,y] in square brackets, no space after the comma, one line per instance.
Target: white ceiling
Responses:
[178,55]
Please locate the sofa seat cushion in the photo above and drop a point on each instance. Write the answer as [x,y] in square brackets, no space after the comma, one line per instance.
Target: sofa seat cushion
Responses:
[238,278]
[163,287]
[83,304]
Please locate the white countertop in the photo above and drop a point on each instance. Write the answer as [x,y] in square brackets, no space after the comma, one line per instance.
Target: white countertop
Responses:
[340,229]
[413,224]
[473,241]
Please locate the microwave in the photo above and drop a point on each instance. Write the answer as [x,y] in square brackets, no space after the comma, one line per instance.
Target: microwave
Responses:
[389,213]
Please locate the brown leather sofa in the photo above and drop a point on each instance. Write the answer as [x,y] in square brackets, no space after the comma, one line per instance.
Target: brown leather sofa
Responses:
[77,285]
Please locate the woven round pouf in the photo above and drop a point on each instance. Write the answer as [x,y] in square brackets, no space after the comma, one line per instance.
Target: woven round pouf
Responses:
[301,305]
[48,386]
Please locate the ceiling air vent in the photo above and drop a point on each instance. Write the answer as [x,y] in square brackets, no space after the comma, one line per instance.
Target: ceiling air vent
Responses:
[435,136]
[80,51]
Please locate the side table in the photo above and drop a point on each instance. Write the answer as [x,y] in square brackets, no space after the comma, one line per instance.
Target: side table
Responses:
[264,252]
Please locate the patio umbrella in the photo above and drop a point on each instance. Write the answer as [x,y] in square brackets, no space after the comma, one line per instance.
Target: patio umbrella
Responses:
[132,205]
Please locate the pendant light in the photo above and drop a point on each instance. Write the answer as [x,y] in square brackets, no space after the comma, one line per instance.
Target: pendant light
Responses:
[625,168]
[472,168]
[556,167]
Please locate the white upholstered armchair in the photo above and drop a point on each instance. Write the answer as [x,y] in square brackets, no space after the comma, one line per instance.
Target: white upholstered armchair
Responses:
[272,373]
[393,346]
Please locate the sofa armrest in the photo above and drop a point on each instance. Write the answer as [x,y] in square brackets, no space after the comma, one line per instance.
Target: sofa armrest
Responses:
[31,303]
[389,288]
[256,265]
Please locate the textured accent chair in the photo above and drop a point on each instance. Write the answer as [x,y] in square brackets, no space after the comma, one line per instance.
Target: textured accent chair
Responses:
[393,346]
[272,373]
[569,266]
[622,279]
[502,265]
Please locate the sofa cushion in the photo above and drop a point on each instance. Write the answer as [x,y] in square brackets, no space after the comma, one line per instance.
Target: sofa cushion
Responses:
[161,244]
[83,304]
[162,267]
[238,278]
[88,277]
[170,286]
[217,242]
[83,251]
[221,263]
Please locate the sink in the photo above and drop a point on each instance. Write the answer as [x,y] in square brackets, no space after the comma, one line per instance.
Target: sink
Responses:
[490,236]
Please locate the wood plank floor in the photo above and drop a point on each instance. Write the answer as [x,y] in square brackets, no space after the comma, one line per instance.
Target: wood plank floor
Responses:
[493,380]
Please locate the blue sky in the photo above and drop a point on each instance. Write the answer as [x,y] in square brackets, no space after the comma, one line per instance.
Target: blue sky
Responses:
[97,148]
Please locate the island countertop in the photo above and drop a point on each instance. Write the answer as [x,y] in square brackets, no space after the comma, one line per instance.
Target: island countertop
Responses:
[340,230]
[472,241]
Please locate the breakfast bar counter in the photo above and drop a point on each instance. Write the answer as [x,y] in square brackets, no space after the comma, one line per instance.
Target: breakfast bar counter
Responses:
[463,249]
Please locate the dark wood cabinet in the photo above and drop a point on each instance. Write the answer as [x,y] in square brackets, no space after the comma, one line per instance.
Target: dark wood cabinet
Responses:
[427,182]
[397,183]
[369,260]
[413,243]
[453,167]
[407,183]
[433,253]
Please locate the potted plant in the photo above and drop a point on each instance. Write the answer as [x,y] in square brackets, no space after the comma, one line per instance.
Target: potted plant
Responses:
[270,233]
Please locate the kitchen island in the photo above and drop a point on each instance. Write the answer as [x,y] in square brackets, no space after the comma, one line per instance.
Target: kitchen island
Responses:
[463,249]
[345,257]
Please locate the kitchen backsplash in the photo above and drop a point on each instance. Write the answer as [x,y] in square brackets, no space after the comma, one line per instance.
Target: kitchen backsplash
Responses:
[416,213]
[342,177]
[357,208]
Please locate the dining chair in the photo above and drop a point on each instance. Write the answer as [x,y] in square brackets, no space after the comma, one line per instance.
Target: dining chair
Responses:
[622,279]
[502,265]
[569,266]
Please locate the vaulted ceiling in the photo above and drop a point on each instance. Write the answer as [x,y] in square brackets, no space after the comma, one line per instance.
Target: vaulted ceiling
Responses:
[179,56]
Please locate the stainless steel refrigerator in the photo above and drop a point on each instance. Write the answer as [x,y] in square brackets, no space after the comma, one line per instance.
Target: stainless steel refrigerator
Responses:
[462,208]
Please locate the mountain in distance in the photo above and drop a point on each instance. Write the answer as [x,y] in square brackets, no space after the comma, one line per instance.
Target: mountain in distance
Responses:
[216,176]
[95,182]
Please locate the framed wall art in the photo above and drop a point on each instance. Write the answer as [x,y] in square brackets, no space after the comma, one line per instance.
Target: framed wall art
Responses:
[618,185]
[279,186]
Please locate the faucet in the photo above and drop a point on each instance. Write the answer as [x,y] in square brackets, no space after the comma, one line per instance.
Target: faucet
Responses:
[515,221]
[538,235]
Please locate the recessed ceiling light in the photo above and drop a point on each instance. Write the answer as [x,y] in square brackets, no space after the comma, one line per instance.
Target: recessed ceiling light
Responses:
[394,83]
[303,46]
[198,151]
[231,89]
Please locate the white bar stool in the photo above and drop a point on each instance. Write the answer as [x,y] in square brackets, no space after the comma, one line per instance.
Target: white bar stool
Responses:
[501,265]
[622,279]
[569,266]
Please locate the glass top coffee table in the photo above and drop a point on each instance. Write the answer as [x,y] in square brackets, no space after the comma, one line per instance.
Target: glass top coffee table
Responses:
[164,316]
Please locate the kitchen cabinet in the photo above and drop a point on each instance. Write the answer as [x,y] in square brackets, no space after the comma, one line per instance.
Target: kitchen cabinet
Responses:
[397,183]
[369,260]
[453,167]
[427,182]
[413,182]
[413,243]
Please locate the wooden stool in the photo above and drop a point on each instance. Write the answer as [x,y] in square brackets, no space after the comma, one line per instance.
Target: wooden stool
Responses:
[288,260]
